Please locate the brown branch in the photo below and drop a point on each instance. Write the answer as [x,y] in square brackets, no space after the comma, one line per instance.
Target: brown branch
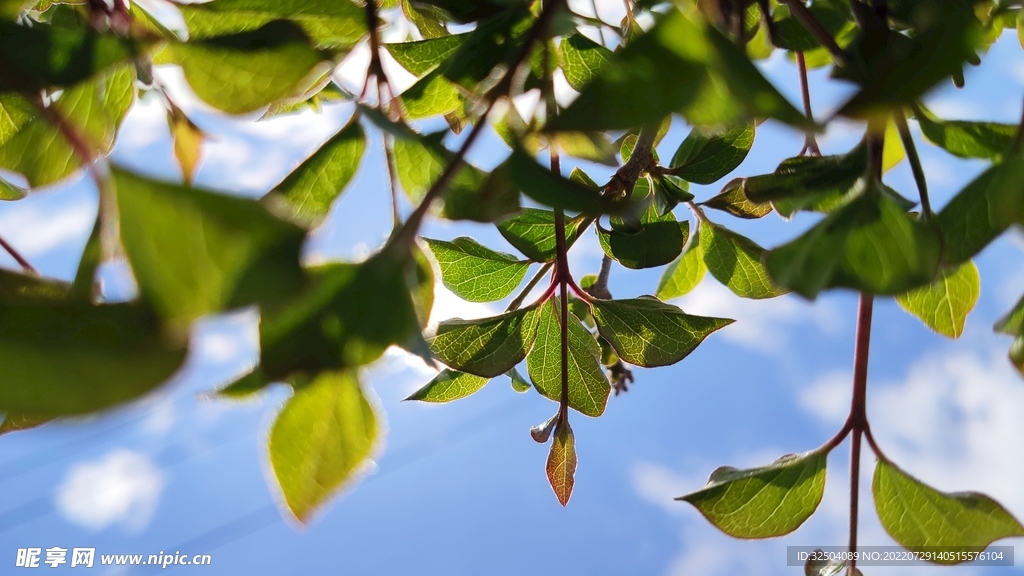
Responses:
[810,142]
[698,212]
[899,116]
[811,24]
[18,257]
[858,412]
[640,160]
[599,289]
[518,300]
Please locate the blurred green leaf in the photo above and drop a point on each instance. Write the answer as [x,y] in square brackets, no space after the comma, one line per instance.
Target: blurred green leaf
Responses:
[17,423]
[428,19]
[17,288]
[561,464]
[449,385]
[471,10]
[982,211]
[313,186]
[422,56]
[486,347]
[790,34]
[532,232]
[704,158]
[330,24]
[10,192]
[944,305]
[918,516]
[582,59]
[588,386]
[870,245]
[685,272]
[736,261]
[733,199]
[474,272]
[967,139]
[552,189]
[195,252]
[647,332]
[321,439]
[763,502]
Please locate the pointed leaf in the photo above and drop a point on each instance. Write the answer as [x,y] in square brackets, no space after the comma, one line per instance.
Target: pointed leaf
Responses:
[735,261]
[312,187]
[706,157]
[423,56]
[655,242]
[943,305]
[519,383]
[967,139]
[532,232]
[321,439]
[982,211]
[18,423]
[332,25]
[647,332]
[561,465]
[474,272]
[763,502]
[919,516]
[486,347]
[554,190]
[685,273]
[449,385]
[733,199]
[10,192]
[588,386]
[188,143]
[582,59]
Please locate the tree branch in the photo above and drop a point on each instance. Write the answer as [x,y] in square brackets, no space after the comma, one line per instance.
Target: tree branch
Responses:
[810,142]
[811,24]
[18,257]
[899,116]
[518,300]
[641,159]
[858,412]
[599,289]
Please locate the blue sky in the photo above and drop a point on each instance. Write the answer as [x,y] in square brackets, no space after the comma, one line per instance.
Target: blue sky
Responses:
[460,488]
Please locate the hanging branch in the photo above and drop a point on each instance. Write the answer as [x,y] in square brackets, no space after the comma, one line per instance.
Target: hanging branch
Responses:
[810,142]
[858,413]
[18,257]
[915,163]
[640,160]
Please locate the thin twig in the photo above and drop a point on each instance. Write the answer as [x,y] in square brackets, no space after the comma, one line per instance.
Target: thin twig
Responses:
[769,24]
[518,300]
[563,277]
[858,412]
[810,143]
[18,257]
[698,212]
[641,159]
[599,289]
[811,24]
[899,116]
[389,155]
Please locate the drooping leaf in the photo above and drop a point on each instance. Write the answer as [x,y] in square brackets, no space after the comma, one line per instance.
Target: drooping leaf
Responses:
[519,383]
[188,143]
[647,332]
[982,210]
[449,385]
[9,191]
[655,241]
[685,273]
[423,56]
[474,272]
[893,151]
[195,252]
[763,502]
[733,199]
[706,157]
[919,516]
[967,139]
[326,432]
[870,245]
[487,347]
[331,25]
[943,305]
[808,182]
[532,232]
[314,185]
[588,386]
[245,71]
[73,358]
[736,261]
[561,465]
[582,59]
[471,10]
[554,190]
[18,423]
[32,145]
[428,19]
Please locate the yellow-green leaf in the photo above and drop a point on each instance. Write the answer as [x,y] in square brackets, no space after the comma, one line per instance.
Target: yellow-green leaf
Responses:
[944,305]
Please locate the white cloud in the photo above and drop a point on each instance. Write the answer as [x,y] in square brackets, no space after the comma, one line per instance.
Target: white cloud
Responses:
[828,398]
[161,416]
[448,305]
[761,325]
[34,229]
[122,487]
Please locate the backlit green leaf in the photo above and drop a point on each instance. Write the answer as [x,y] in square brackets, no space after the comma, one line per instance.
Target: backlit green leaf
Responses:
[331,25]
[314,185]
[561,464]
[733,199]
[195,252]
[588,386]
[647,332]
[519,383]
[17,423]
[486,347]
[870,245]
[982,210]
[706,157]
[655,242]
[532,232]
[582,59]
[321,439]
[967,139]
[735,261]
[943,305]
[685,272]
[763,502]
[449,385]
[423,56]
[554,190]
[919,516]
[474,272]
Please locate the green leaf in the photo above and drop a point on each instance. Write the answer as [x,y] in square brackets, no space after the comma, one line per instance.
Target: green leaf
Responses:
[321,439]
[790,34]
[685,273]
[94,109]
[423,56]
[733,199]
[982,211]
[919,516]
[763,502]
[195,252]
[18,423]
[311,188]
[554,190]
[669,191]
[808,182]
[870,245]
[532,232]
[474,272]
[582,60]
[244,72]
[657,242]
[647,332]
[72,358]
[1013,322]
[706,157]
[471,10]
[561,464]
[449,385]
[519,383]
[24,288]
[347,316]
[10,192]
[680,65]
[966,139]
[188,143]
[429,20]
[331,25]
[735,261]
[588,386]
[943,305]
[487,347]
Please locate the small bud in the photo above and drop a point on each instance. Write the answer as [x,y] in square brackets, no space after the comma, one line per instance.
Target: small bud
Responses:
[542,432]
